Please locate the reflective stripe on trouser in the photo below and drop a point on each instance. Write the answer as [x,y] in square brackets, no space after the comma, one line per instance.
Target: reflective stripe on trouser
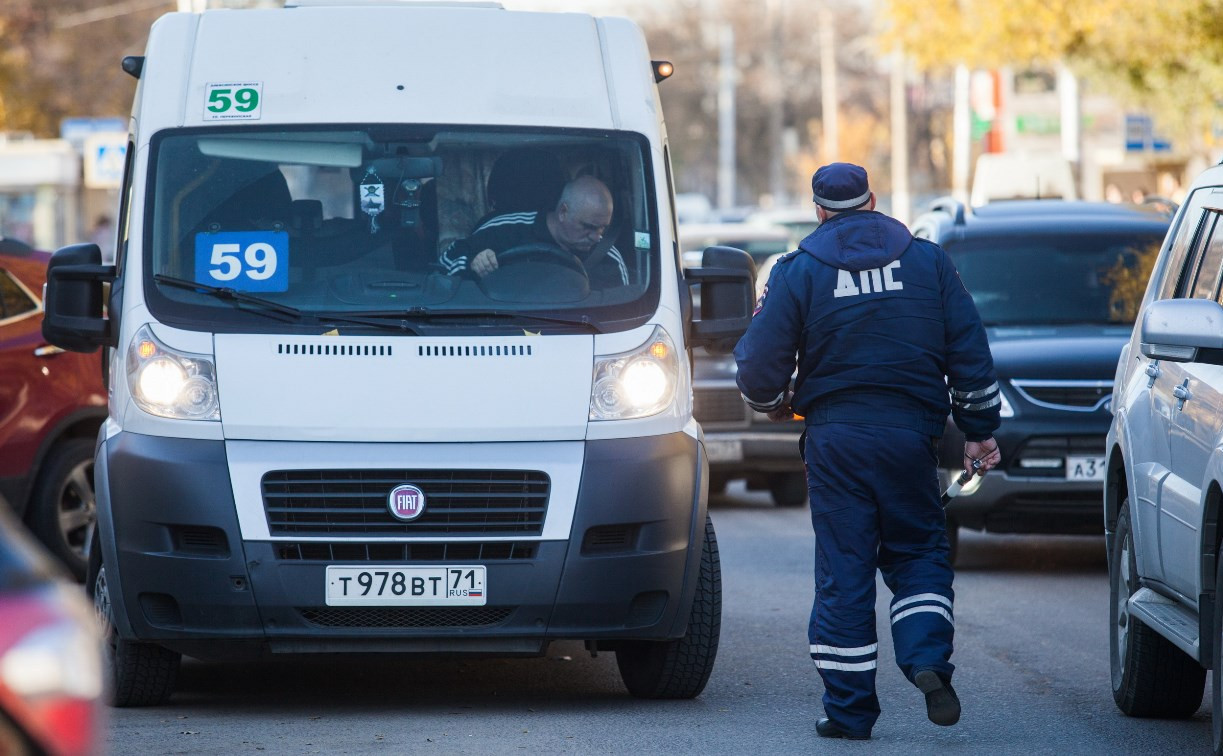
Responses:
[875,505]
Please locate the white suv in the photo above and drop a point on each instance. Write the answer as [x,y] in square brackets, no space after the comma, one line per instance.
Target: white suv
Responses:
[1163,491]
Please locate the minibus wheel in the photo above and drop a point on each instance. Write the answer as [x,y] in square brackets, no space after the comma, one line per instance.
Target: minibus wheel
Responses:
[136,674]
[680,668]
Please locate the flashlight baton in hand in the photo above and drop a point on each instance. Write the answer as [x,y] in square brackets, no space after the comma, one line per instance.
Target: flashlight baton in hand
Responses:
[953,490]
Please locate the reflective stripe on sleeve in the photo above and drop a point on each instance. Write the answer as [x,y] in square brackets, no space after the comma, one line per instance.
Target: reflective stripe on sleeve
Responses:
[975,394]
[765,407]
[980,405]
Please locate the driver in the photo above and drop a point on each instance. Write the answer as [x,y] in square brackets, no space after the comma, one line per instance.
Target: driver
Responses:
[576,225]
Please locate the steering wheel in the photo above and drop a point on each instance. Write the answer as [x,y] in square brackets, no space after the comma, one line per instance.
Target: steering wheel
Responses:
[542,252]
[537,272]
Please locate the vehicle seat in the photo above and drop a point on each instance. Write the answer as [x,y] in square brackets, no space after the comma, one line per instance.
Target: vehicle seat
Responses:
[263,204]
[523,180]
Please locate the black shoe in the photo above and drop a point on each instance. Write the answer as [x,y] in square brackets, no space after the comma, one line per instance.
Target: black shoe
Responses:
[942,704]
[826,728]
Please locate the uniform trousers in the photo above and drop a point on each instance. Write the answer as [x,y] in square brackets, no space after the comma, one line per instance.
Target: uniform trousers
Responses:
[875,504]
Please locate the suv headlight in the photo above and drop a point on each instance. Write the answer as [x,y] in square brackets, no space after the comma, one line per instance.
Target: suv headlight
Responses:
[1005,409]
[635,384]
[169,383]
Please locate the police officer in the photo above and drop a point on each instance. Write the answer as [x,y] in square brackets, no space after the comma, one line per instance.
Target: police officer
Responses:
[883,331]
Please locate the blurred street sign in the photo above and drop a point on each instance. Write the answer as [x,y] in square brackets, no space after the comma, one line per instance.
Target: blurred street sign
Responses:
[1140,135]
[103,155]
[77,130]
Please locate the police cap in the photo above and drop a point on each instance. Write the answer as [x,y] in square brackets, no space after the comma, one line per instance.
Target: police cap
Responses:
[840,186]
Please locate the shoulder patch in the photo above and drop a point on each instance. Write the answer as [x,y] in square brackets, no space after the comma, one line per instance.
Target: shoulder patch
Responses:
[760,302]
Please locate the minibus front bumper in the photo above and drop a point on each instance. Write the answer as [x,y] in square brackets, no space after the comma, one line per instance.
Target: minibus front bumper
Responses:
[182,576]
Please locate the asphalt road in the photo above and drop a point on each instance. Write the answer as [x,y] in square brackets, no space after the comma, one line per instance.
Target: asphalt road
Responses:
[1031,649]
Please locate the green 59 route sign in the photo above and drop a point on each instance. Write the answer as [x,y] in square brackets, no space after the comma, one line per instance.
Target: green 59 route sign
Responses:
[233,101]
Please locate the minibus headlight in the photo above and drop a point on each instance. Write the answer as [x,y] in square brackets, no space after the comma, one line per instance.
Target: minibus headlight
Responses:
[169,383]
[635,384]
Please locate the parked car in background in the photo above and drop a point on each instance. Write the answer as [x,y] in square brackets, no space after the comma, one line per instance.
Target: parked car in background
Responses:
[52,403]
[50,653]
[693,207]
[1057,284]
[1017,175]
[799,221]
[1163,491]
[740,442]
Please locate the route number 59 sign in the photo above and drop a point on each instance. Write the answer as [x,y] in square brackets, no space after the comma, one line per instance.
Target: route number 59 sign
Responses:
[243,260]
[233,101]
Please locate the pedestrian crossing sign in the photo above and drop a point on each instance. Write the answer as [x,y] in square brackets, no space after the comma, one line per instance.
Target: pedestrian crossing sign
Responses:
[105,155]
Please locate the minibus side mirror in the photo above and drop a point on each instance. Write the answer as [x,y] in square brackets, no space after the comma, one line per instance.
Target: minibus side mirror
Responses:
[727,278]
[74,296]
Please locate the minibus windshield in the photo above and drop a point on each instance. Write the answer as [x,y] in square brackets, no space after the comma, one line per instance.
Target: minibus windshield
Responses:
[531,227]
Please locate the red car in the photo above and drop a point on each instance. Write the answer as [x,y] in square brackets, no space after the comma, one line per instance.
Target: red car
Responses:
[50,654]
[52,403]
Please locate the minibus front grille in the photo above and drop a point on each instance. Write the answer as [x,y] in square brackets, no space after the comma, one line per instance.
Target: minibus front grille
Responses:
[456,502]
[368,616]
[384,551]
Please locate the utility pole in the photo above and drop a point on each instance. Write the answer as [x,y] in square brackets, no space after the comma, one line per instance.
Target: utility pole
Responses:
[778,186]
[900,139]
[1072,134]
[726,118]
[829,101]
[961,135]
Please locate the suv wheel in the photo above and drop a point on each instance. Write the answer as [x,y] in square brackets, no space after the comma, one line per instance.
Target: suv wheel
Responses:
[136,674]
[1216,665]
[789,489]
[680,668]
[62,509]
[1151,677]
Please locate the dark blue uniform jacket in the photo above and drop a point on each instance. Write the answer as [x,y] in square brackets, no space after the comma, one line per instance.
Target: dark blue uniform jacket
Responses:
[882,329]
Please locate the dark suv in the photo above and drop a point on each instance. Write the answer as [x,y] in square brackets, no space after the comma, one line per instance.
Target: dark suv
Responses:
[52,403]
[1058,284]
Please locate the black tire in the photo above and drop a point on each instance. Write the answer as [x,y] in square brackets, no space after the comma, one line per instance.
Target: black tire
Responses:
[953,539]
[789,489]
[680,668]
[136,674]
[62,510]
[1150,676]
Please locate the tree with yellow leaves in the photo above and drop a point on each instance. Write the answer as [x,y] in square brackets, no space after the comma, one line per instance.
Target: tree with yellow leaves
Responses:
[1163,55]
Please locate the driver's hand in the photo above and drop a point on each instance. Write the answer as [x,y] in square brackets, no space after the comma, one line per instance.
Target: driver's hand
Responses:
[484,263]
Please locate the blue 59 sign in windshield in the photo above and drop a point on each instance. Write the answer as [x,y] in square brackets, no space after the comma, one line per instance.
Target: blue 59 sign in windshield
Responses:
[243,260]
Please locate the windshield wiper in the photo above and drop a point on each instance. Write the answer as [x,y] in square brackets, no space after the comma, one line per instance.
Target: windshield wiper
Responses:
[233,295]
[426,314]
[275,309]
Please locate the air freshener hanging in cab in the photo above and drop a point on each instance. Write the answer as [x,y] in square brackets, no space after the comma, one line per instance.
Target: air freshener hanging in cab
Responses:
[373,197]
